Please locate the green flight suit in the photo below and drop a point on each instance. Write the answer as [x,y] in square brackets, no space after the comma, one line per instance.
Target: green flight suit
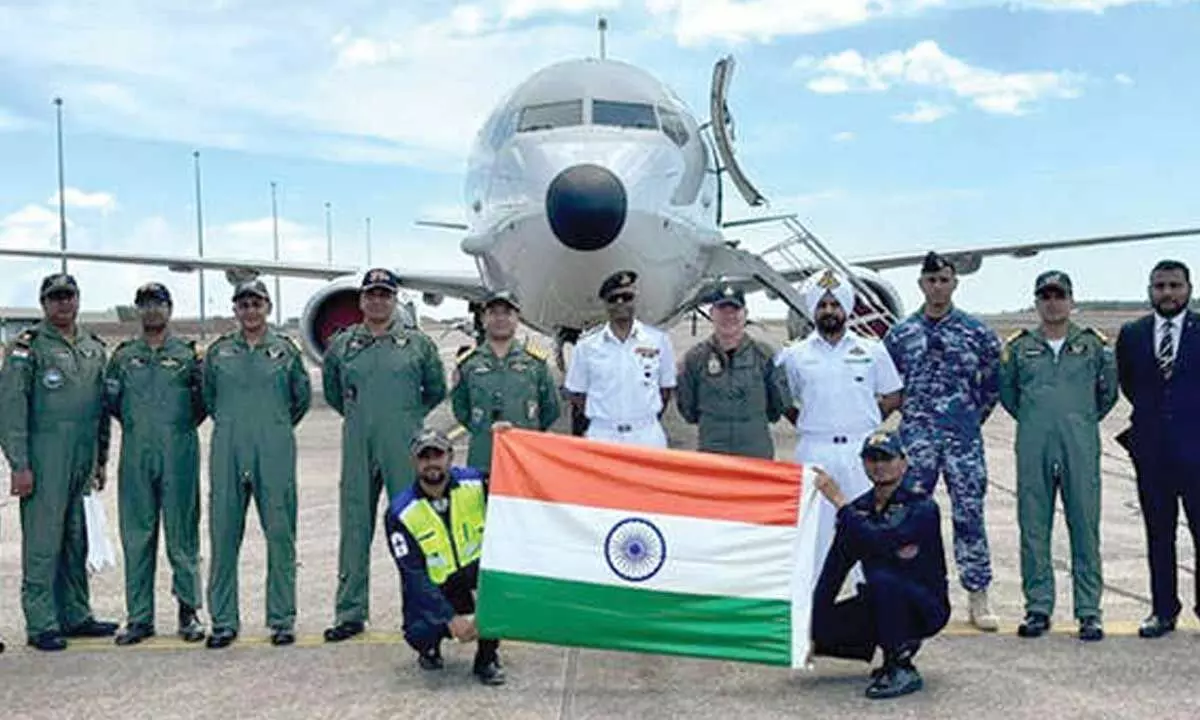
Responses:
[1058,404]
[516,388]
[383,387]
[255,397]
[733,396]
[155,394]
[52,421]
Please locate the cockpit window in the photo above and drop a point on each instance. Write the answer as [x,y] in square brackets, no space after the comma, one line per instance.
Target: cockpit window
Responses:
[551,115]
[672,126]
[624,114]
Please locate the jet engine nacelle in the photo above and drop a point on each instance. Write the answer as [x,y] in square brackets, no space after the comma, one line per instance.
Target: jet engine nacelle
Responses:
[334,308]
[799,326]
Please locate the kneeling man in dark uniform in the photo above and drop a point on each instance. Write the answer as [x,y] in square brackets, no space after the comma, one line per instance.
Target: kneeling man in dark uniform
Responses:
[894,530]
[435,533]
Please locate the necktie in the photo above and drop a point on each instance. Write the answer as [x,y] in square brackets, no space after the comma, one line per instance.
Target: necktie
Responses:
[1166,351]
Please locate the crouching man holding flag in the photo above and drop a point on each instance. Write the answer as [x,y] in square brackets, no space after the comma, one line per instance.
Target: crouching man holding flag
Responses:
[894,530]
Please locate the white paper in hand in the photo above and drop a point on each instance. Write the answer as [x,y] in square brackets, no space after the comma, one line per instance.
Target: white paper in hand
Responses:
[101,555]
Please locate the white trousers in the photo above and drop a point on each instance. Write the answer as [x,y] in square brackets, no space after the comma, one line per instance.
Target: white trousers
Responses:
[650,434]
[843,463]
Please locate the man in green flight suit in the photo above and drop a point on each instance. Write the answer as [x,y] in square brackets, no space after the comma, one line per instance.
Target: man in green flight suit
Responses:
[256,389]
[1058,381]
[730,385]
[152,387]
[383,379]
[501,381]
[55,435]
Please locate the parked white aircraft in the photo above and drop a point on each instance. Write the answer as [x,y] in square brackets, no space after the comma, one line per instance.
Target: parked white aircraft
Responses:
[588,167]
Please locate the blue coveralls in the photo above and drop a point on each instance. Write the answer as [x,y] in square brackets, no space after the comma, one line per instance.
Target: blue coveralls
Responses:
[905,597]
[950,369]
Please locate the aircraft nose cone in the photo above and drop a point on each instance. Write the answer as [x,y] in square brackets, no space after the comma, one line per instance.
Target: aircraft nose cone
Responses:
[586,207]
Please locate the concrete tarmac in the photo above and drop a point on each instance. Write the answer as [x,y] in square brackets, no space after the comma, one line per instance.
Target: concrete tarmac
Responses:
[967,673]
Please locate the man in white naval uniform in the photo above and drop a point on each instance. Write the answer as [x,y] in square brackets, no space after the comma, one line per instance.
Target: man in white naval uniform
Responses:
[843,386]
[622,375]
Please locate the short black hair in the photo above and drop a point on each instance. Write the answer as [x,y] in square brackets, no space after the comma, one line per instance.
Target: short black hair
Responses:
[1169,265]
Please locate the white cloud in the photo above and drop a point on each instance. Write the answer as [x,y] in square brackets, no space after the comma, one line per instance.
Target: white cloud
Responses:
[844,136]
[521,9]
[924,112]
[1123,79]
[697,21]
[1095,6]
[926,65]
[32,226]
[76,198]
[407,83]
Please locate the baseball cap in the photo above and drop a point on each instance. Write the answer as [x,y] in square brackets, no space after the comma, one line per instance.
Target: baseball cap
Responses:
[728,294]
[251,287]
[59,282]
[380,278]
[430,438]
[1052,279]
[502,296]
[884,443]
[152,292]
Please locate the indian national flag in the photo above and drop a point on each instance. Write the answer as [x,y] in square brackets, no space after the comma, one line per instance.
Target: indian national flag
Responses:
[612,546]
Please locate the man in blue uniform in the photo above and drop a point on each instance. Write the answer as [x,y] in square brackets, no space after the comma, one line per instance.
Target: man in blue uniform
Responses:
[435,533]
[950,363]
[894,529]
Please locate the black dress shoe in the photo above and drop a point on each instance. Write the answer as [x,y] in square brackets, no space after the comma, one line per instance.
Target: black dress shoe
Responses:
[1090,629]
[343,631]
[490,673]
[431,659]
[92,628]
[135,633]
[282,636]
[190,627]
[49,641]
[1034,625]
[1154,626]
[220,638]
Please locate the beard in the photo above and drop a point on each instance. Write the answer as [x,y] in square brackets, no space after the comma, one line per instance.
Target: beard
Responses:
[434,477]
[830,323]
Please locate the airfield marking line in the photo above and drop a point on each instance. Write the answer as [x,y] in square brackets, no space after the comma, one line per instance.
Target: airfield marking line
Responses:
[957,629]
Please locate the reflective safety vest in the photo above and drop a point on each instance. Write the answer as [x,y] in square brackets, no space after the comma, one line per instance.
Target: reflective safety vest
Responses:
[445,553]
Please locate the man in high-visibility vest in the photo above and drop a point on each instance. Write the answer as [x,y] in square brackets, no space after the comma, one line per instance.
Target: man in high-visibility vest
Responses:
[435,533]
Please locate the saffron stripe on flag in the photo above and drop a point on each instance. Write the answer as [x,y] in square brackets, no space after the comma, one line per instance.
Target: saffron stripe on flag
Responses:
[576,471]
[559,612]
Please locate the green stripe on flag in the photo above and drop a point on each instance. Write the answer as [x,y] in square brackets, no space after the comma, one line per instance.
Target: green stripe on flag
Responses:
[563,612]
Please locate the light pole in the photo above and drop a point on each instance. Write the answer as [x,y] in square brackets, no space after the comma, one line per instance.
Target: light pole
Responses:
[199,238]
[62,198]
[275,233]
[368,241]
[328,235]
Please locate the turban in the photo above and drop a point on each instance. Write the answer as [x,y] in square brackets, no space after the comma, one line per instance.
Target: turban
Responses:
[828,282]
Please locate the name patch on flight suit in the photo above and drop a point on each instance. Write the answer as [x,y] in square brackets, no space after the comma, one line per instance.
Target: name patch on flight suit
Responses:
[171,363]
[274,352]
[1077,349]
[714,365]
[1033,352]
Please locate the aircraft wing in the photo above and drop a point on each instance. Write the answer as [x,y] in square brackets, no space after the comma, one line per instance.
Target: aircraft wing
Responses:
[464,286]
[967,261]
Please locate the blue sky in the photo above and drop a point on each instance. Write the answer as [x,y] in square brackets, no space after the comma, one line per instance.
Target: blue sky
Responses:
[888,125]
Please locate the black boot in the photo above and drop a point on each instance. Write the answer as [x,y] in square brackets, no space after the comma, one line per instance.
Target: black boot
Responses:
[134,633]
[487,664]
[190,628]
[92,628]
[431,659]
[343,631]
[1034,625]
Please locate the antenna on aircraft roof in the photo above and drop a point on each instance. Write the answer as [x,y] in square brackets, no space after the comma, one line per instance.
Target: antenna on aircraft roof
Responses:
[602,27]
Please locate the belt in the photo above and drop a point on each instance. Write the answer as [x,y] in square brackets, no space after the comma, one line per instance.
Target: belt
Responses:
[623,427]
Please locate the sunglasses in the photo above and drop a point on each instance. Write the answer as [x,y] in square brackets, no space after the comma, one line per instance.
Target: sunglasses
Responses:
[619,298]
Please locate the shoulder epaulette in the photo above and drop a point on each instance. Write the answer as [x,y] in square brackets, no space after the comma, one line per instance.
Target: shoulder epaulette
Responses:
[97,338]
[292,343]
[537,352]
[26,337]
[1014,335]
[461,356]
[1099,335]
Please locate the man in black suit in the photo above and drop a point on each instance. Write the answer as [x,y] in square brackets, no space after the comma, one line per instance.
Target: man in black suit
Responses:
[1158,364]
